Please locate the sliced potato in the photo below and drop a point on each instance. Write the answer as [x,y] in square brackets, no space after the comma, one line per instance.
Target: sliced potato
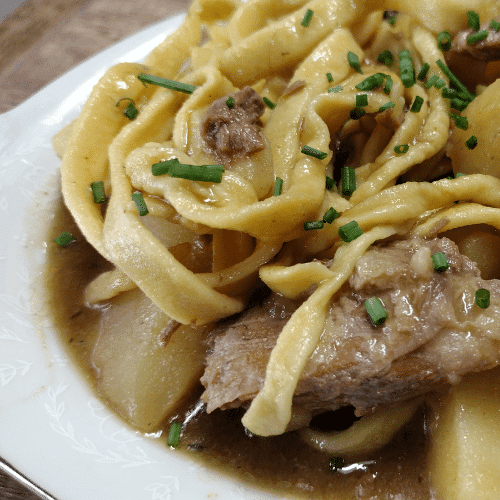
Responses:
[464,459]
[146,362]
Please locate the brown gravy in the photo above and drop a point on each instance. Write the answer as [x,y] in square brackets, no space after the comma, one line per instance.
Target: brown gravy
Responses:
[283,464]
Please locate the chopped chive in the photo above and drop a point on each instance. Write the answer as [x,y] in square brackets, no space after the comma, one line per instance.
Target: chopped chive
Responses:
[458,104]
[494,25]
[316,153]
[336,463]
[431,81]
[459,174]
[422,74]
[440,84]
[64,239]
[471,142]
[98,191]
[278,186]
[453,79]
[350,231]
[202,173]
[388,84]
[230,101]
[444,41]
[440,262]
[361,100]
[357,113]
[348,180]
[482,298]
[330,215]
[477,37]
[329,183]
[174,434]
[353,60]
[329,77]
[165,82]
[335,89]
[387,105]
[417,104]
[130,111]
[307,18]
[371,82]
[163,167]
[461,122]
[473,20]
[406,68]
[401,149]
[448,93]
[386,57]
[140,204]
[315,224]
[376,311]
[270,104]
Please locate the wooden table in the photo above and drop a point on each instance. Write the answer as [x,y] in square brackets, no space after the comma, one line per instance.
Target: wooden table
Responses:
[40,41]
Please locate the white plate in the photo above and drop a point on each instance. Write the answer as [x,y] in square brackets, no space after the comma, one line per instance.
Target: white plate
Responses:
[53,429]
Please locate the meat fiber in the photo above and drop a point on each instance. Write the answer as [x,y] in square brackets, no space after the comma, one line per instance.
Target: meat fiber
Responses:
[484,50]
[435,333]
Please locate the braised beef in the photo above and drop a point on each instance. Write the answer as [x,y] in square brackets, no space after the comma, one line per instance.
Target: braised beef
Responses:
[484,50]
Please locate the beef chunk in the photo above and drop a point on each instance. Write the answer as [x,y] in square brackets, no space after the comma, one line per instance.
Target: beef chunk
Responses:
[434,335]
[485,50]
[234,132]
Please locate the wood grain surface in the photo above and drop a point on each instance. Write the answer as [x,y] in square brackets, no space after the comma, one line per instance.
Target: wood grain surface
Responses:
[43,39]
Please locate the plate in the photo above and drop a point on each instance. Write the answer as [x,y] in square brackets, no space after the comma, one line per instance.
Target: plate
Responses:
[54,431]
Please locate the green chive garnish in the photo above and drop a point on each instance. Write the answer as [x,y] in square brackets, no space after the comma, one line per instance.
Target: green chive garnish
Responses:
[422,74]
[203,173]
[64,239]
[98,191]
[165,82]
[140,204]
[330,215]
[350,231]
[431,81]
[401,149]
[387,105]
[477,37]
[329,183]
[357,113]
[230,102]
[440,262]
[440,84]
[278,186]
[461,122]
[388,84]
[459,174]
[406,68]
[174,434]
[376,311]
[270,104]
[494,25]
[336,463]
[307,18]
[473,20]
[348,180]
[471,142]
[371,83]
[130,111]
[458,104]
[454,80]
[444,41]
[316,153]
[335,89]
[361,100]
[390,16]
[386,57]
[163,167]
[315,224]
[353,60]
[417,104]
[482,298]
[329,77]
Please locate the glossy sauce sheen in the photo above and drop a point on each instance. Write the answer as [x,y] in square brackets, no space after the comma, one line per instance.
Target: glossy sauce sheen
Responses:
[283,464]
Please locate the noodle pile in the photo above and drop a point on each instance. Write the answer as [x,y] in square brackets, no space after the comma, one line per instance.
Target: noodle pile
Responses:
[201,249]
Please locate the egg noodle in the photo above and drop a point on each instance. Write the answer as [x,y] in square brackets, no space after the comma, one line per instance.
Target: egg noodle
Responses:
[308,70]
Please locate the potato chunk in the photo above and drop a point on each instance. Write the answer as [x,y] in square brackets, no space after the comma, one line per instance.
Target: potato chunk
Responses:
[465,440]
[146,363]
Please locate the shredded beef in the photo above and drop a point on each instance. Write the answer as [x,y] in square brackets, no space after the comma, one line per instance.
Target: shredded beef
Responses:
[485,50]
[234,132]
